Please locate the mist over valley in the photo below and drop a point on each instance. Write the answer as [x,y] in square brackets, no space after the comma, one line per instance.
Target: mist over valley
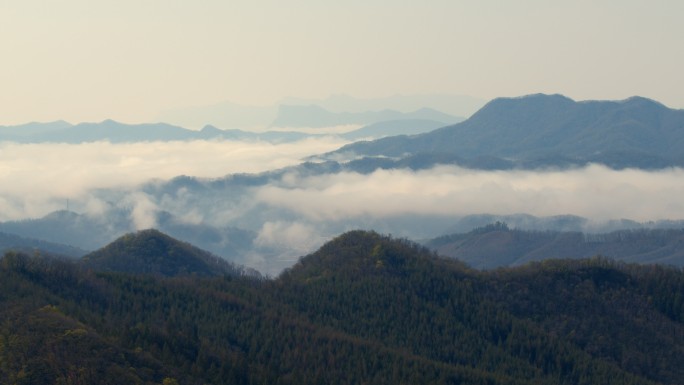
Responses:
[264,203]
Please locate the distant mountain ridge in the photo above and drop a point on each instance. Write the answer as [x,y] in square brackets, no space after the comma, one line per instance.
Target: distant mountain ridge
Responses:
[551,130]
[88,233]
[376,124]
[12,242]
[116,132]
[542,237]
[456,105]
[393,127]
[229,115]
[315,116]
[496,245]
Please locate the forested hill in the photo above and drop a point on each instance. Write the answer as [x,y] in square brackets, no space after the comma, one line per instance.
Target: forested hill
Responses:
[155,253]
[365,308]
[550,130]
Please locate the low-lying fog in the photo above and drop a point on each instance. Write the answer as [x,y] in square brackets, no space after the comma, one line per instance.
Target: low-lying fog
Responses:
[36,179]
[297,213]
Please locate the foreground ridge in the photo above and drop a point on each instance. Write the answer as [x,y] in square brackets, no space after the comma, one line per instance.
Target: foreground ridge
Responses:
[364,308]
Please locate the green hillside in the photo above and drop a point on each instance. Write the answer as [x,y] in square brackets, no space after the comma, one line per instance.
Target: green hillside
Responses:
[365,308]
[153,252]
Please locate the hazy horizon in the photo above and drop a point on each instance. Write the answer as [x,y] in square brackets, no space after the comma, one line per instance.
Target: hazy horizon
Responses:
[81,61]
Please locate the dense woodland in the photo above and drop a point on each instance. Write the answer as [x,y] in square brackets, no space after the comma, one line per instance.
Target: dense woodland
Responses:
[364,309]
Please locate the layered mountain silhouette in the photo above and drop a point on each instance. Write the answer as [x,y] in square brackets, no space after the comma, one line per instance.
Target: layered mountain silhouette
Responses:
[68,227]
[530,237]
[549,130]
[455,105]
[316,116]
[85,232]
[117,132]
[496,245]
[230,115]
[378,124]
[393,128]
[12,242]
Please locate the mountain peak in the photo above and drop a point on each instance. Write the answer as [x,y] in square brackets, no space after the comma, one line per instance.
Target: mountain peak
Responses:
[540,95]
[153,252]
[640,101]
[62,215]
[360,253]
[209,128]
[540,100]
[540,130]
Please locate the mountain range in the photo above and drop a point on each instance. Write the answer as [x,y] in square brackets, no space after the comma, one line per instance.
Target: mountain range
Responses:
[229,115]
[232,225]
[315,116]
[364,308]
[116,132]
[85,233]
[548,131]
[392,128]
[455,105]
[530,132]
[376,124]
[13,242]
[497,245]
[481,241]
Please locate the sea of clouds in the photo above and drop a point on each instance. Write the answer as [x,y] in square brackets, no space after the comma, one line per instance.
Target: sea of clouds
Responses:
[297,213]
[37,178]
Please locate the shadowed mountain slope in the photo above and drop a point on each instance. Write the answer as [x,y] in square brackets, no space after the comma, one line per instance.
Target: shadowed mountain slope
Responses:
[552,130]
[394,127]
[12,242]
[496,245]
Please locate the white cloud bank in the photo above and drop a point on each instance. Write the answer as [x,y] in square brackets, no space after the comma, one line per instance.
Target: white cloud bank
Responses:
[38,178]
[296,214]
[595,192]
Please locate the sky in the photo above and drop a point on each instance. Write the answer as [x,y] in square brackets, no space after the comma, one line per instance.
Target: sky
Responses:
[81,60]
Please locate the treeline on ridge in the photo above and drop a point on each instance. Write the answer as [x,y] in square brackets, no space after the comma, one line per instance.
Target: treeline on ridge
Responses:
[364,308]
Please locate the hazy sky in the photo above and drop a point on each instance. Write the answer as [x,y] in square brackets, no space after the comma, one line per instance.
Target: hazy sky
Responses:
[83,60]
